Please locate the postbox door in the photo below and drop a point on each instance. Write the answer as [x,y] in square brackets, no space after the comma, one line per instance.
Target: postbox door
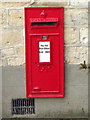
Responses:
[45,75]
[44,51]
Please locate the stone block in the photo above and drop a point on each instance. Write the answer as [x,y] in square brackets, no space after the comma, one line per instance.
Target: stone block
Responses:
[4,62]
[71,36]
[13,4]
[20,51]
[76,17]
[79,3]
[14,1]
[84,36]
[3,17]
[15,61]
[0,37]
[76,55]
[0,62]
[15,17]
[7,52]
[10,37]
[52,2]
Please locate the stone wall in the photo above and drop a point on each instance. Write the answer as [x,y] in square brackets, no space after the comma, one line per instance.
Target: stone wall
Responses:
[12,44]
[12,58]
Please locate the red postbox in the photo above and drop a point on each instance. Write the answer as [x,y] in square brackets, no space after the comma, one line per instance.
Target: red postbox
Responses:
[44,31]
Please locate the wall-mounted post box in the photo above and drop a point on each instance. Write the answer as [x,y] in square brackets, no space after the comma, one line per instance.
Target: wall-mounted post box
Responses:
[44,29]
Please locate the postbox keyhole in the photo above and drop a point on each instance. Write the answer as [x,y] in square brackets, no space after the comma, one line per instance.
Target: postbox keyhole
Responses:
[44,37]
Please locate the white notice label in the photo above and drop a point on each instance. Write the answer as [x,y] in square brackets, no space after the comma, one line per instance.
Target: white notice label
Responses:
[44,51]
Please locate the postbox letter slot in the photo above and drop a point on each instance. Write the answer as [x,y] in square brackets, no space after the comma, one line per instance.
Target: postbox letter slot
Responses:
[43,23]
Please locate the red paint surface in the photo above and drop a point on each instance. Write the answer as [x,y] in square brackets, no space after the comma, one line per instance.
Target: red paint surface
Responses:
[44,80]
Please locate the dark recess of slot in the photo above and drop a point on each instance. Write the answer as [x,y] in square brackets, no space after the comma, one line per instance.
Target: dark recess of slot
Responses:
[43,23]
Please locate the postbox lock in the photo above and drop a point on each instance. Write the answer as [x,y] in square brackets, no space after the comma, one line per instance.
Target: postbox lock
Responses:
[44,37]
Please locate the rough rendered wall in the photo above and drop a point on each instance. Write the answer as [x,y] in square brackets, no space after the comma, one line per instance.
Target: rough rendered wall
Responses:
[12,49]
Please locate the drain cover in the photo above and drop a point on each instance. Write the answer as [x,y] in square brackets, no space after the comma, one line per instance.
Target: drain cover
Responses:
[23,106]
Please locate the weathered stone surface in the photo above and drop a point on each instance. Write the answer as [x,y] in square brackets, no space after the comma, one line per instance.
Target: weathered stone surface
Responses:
[79,3]
[10,37]
[20,51]
[14,61]
[76,55]
[3,17]
[13,4]
[4,62]
[72,3]
[52,2]
[0,37]
[71,36]
[15,17]
[89,55]
[7,52]
[0,62]
[84,36]
[76,17]
[14,0]
[12,18]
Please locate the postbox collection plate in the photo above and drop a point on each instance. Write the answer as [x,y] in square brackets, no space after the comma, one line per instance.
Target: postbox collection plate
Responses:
[44,52]
[44,34]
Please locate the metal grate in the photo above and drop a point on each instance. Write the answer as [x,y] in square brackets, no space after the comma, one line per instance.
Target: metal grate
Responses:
[23,106]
